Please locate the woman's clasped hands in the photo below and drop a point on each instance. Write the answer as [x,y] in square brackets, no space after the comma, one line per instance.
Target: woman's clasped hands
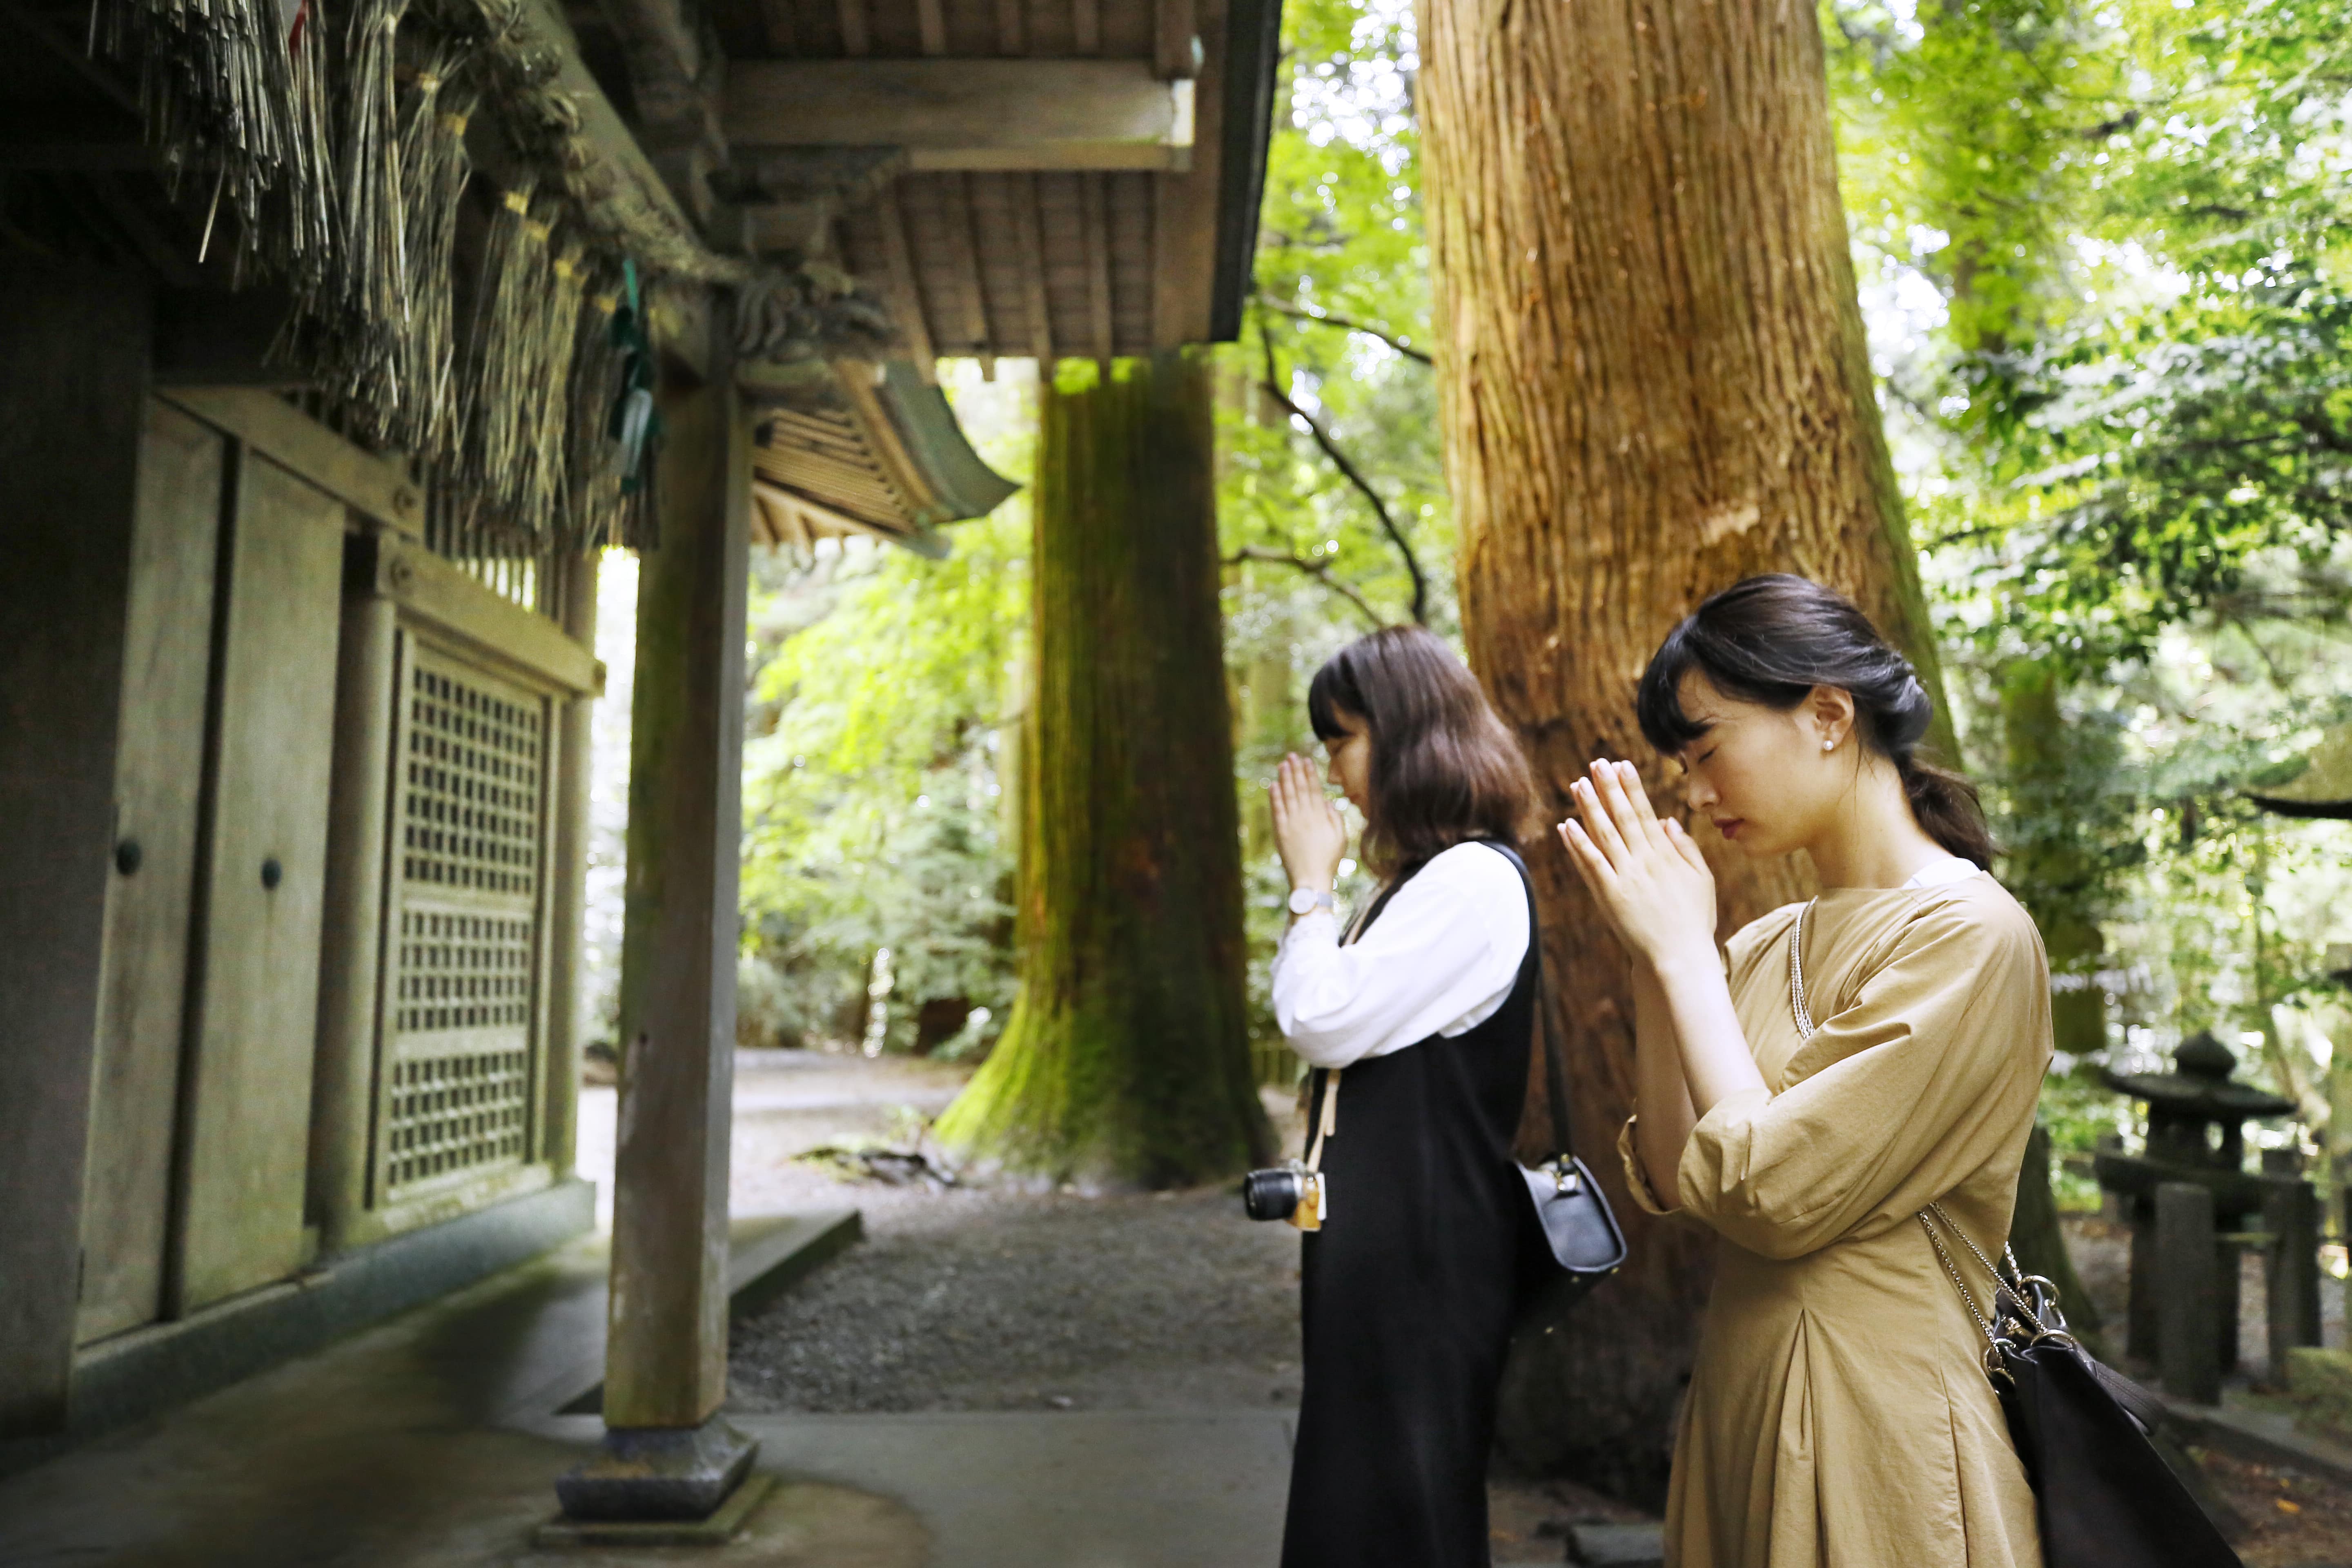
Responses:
[1308,832]
[1648,876]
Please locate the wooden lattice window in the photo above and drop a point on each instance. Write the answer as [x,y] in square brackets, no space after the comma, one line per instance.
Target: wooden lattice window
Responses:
[466,950]
[473,797]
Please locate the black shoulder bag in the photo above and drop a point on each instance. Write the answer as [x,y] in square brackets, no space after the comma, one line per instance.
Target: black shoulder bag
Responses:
[1577,1225]
[2103,1496]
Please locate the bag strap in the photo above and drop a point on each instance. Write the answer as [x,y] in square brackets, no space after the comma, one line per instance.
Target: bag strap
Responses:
[1555,1067]
[1555,1071]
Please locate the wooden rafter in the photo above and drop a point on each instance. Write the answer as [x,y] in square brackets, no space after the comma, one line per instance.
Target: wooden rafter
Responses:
[931,21]
[1029,254]
[1085,26]
[1012,28]
[1095,223]
[906,299]
[857,32]
[959,222]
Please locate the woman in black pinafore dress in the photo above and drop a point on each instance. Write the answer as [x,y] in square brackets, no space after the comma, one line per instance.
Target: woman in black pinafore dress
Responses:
[1426,1011]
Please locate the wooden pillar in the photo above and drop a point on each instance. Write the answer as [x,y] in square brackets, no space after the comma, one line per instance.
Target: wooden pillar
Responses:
[2187,1293]
[568,899]
[667,1454]
[75,339]
[351,942]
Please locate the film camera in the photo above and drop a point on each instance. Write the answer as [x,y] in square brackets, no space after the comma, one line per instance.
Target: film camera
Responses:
[1288,1191]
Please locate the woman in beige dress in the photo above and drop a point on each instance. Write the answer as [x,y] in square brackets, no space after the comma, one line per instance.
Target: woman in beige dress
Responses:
[1839,1413]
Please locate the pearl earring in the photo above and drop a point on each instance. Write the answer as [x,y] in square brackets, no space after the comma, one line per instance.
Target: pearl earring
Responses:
[1829,745]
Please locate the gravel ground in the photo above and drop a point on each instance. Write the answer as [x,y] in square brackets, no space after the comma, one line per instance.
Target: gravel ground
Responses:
[994,1302]
[997,1300]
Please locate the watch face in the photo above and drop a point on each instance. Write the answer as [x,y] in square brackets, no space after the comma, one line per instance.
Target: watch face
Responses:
[1303,900]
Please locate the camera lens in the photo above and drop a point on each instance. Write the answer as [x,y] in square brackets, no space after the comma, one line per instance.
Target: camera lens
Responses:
[1270,1194]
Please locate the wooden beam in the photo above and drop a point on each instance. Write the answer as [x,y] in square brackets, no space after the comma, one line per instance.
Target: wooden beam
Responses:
[931,21]
[1029,254]
[857,36]
[1185,207]
[616,146]
[906,298]
[1012,28]
[443,597]
[968,114]
[375,486]
[1174,31]
[1085,26]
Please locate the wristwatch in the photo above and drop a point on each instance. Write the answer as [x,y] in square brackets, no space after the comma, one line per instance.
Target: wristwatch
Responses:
[1307,900]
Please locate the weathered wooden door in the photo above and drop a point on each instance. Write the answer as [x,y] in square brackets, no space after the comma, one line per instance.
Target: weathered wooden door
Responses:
[246,1131]
[158,770]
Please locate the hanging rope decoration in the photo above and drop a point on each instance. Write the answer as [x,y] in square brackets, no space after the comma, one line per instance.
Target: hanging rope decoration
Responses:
[533,397]
[433,170]
[234,89]
[373,301]
[507,350]
[595,510]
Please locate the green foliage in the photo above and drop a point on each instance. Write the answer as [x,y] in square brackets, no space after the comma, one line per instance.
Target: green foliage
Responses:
[2105,247]
[1341,239]
[874,800]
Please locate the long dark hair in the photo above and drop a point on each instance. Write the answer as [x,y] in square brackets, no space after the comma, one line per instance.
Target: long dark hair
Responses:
[1445,770]
[1772,639]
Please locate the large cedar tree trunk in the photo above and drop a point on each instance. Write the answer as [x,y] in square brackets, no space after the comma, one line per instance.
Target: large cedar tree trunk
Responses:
[1654,384]
[1126,1062]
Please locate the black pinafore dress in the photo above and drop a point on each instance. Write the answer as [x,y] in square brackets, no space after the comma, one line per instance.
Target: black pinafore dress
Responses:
[1407,1293]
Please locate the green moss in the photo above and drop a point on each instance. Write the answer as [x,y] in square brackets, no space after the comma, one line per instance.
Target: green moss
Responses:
[1126,1062]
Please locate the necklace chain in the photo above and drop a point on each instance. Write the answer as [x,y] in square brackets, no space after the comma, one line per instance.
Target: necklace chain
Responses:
[1797,972]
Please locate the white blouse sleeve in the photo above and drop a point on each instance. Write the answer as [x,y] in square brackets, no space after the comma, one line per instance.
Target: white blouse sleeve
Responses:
[1440,960]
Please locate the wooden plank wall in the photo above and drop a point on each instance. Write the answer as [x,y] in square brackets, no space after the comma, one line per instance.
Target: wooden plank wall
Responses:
[150,904]
[76,341]
[247,1120]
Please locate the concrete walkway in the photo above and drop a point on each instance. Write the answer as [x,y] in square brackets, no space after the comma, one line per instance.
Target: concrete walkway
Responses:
[436,1439]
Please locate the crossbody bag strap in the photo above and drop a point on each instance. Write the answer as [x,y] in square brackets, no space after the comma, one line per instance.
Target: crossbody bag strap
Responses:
[1555,1070]
[1546,1035]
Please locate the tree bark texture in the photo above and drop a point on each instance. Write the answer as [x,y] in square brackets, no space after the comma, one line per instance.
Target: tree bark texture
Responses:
[1654,383]
[1125,1061]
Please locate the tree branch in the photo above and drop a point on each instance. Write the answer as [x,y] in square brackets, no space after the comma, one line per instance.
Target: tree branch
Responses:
[1319,570]
[1345,323]
[1273,388]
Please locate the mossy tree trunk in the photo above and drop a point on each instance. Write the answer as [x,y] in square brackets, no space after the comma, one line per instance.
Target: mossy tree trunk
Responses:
[1654,383]
[1125,1063]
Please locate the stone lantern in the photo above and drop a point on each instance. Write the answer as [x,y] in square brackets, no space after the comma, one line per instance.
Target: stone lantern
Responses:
[2196,1116]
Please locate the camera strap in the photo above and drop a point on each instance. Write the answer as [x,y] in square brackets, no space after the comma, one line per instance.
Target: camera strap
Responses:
[1328,1122]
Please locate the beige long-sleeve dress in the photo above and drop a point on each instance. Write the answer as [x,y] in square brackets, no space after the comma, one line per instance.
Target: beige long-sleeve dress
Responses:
[1839,1413]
